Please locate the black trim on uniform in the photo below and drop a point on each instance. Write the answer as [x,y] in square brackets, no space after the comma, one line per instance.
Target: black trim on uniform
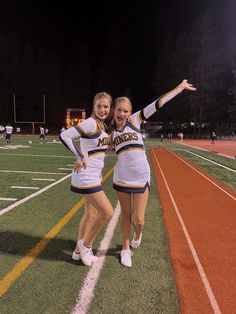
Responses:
[142,115]
[77,150]
[95,151]
[91,136]
[129,146]
[132,127]
[130,189]
[86,191]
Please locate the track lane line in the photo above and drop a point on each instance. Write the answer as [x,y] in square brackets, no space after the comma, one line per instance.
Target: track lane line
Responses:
[207,286]
[204,176]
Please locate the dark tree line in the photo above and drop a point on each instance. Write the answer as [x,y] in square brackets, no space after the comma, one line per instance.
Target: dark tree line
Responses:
[194,54]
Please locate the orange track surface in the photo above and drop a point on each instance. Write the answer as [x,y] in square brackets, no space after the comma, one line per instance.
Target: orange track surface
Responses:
[209,215]
[225,148]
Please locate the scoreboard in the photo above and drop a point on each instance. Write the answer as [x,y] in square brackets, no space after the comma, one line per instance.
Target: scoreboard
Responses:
[74,116]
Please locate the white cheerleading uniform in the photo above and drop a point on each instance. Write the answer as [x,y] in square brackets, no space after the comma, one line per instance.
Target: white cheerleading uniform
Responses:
[132,170]
[93,146]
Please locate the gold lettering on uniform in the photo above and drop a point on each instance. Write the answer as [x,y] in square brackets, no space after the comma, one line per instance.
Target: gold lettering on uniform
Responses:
[103,141]
[130,136]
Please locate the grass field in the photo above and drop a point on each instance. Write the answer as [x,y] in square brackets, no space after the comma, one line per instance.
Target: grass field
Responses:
[38,232]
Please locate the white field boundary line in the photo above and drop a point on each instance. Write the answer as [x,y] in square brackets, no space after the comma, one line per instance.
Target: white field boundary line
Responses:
[207,150]
[215,184]
[23,200]
[216,163]
[87,291]
[33,172]
[199,266]
[29,155]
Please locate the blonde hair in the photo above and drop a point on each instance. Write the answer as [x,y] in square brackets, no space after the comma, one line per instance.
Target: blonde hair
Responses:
[123,99]
[117,101]
[97,97]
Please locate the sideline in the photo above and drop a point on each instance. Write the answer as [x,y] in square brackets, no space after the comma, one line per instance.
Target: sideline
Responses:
[87,291]
[207,286]
[24,262]
[216,163]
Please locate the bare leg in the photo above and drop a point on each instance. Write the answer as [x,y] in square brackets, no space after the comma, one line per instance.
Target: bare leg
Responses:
[90,213]
[104,209]
[139,206]
[126,213]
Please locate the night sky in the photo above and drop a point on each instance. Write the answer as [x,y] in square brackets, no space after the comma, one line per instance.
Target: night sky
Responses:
[65,25]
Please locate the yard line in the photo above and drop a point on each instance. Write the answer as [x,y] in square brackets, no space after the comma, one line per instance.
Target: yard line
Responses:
[25,187]
[86,293]
[23,200]
[63,169]
[43,179]
[24,262]
[199,266]
[230,195]
[36,172]
[29,155]
[216,163]
[70,165]
[7,199]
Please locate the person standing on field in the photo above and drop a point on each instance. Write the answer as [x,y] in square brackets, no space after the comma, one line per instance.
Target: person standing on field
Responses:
[131,178]
[87,175]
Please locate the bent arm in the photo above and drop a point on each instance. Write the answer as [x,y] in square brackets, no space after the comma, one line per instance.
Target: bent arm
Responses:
[67,138]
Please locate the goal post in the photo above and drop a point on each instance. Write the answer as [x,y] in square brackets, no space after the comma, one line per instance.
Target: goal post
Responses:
[31,122]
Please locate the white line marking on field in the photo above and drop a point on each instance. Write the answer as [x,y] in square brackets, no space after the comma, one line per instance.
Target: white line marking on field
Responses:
[86,293]
[64,169]
[43,179]
[7,199]
[35,172]
[230,195]
[216,163]
[29,155]
[70,165]
[201,271]
[23,200]
[24,187]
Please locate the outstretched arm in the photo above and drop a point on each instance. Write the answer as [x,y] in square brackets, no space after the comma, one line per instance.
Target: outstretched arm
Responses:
[167,97]
[161,101]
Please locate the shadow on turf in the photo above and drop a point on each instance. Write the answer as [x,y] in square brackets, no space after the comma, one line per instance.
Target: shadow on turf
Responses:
[20,244]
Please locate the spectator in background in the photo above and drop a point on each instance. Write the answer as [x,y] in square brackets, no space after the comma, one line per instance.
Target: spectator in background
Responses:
[213,138]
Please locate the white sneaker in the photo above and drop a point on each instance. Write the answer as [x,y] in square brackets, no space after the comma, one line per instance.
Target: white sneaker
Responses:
[76,257]
[86,254]
[126,258]
[136,243]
